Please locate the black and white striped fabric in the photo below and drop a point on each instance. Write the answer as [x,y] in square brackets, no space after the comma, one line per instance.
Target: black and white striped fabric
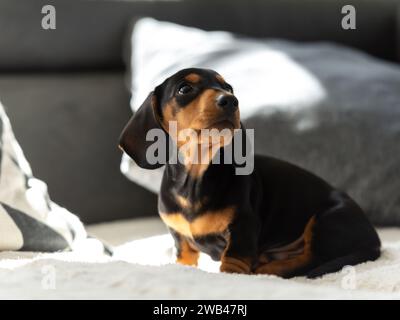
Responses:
[29,220]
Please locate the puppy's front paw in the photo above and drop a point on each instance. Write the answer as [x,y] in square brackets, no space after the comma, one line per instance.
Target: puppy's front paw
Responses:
[188,261]
[235,265]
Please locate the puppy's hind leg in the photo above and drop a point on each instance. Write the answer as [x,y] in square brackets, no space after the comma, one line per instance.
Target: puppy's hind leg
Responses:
[349,260]
[296,263]
[343,236]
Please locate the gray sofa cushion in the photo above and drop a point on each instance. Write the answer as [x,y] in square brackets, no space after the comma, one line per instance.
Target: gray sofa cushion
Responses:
[68,125]
[328,108]
[89,33]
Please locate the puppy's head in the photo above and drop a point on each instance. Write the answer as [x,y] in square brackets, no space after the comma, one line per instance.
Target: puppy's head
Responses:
[193,99]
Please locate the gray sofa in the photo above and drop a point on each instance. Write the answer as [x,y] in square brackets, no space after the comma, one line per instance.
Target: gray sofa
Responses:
[65,89]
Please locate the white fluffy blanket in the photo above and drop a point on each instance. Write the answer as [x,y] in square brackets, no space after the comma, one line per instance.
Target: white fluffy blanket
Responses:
[142,269]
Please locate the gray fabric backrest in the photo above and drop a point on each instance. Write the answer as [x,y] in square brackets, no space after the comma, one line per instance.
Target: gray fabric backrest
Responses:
[89,34]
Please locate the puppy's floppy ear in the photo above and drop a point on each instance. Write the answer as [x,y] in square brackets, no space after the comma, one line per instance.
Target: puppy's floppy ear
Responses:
[133,137]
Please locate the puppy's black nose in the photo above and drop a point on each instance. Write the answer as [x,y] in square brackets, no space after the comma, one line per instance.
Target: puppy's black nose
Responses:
[227,102]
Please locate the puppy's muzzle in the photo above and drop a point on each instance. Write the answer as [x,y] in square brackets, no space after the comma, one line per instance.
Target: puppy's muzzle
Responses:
[228,103]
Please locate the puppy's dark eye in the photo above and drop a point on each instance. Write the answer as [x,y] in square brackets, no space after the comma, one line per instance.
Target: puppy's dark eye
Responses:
[229,88]
[185,88]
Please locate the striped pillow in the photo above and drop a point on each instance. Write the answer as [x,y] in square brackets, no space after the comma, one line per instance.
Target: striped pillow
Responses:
[29,220]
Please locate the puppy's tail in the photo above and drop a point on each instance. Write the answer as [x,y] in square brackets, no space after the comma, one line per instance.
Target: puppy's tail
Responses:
[348,260]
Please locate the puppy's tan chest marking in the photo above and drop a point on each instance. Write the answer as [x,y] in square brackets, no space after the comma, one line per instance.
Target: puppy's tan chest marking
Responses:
[210,222]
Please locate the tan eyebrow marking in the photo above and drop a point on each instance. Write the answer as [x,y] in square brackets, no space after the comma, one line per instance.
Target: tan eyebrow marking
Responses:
[193,77]
[220,78]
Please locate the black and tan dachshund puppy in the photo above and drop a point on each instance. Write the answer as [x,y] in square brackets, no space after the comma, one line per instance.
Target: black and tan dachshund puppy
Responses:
[280,219]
